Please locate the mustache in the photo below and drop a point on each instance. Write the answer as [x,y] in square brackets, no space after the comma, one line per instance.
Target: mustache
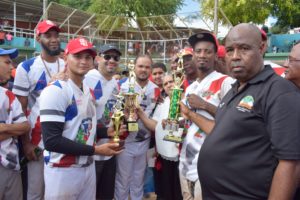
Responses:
[235,64]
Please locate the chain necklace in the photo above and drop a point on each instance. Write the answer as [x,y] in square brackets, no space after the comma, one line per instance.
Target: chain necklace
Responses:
[47,69]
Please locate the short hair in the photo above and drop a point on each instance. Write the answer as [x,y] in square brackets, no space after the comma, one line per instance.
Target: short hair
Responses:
[160,65]
[143,56]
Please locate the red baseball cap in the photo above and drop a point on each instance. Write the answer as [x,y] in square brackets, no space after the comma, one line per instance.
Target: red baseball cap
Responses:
[45,25]
[78,45]
[221,51]
[264,36]
[186,51]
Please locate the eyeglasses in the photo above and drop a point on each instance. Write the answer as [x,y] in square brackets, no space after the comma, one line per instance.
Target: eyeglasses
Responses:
[108,57]
[292,61]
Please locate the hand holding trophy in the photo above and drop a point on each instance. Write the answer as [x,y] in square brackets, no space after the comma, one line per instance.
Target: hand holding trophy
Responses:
[131,100]
[172,123]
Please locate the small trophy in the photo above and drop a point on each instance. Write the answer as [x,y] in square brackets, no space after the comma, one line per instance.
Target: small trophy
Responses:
[131,100]
[172,123]
[117,119]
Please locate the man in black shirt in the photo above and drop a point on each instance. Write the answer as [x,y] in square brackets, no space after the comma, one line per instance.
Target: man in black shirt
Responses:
[253,147]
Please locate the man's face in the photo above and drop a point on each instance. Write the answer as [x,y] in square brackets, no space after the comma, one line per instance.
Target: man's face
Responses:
[244,51]
[80,63]
[143,68]
[204,55]
[5,68]
[292,65]
[168,84]
[50,42]
[173,63]
[188,65]
[108,62]
[157,75]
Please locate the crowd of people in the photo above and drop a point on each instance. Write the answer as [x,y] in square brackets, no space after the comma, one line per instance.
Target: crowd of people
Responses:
[239,122]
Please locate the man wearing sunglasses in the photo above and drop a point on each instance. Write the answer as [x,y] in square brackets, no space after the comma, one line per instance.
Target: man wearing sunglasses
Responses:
[105,87]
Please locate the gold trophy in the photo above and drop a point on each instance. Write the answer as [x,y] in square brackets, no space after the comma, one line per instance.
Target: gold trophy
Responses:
[131,100]
[172,123]
[117,119]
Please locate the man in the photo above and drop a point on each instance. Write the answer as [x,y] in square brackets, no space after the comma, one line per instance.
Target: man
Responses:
[13,123]
[69,126]
[158,72]
[292,73]
[252,151]
[105,87]
[202,97]
[131,163]
[32,77]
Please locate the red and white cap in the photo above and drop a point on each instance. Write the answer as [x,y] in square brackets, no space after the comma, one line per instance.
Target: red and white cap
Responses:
[78,45]
[45,25]
[221,51]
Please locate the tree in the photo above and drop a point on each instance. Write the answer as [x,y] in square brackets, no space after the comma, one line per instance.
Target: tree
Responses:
[256,11]
[78,4]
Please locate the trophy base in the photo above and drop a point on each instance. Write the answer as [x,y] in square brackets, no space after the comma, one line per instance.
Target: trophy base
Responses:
[118,140]
[172,126]
[132,126]
[173,138]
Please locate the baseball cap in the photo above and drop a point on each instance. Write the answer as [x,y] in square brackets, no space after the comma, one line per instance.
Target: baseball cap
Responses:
[203,36]
[109,47]
[45,25]
[11,52]
[264,36]
[186,51]
[221,51]
[78,45]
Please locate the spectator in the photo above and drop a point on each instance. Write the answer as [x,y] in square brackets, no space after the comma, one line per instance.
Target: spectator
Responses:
[9,38]
[27,42]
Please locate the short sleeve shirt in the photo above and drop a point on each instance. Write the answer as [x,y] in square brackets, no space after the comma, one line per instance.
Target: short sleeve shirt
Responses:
[31,78]
[76,108]
[10,113]
[254,128]
[212,88]
[104,91]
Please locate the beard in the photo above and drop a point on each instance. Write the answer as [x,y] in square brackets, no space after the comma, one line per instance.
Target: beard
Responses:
[50,52]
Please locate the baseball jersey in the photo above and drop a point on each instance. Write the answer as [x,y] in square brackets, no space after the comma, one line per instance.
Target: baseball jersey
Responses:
[31,78]
[279,70]
[10,113]
[212,89]
[76,109]
[104,91]
[147,98]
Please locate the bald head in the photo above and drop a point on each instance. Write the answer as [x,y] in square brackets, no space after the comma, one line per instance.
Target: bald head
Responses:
[246,31]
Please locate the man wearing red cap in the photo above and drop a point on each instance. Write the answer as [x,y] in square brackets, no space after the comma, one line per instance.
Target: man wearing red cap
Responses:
[201,97]
[32,76]
[13,123]
[69,127]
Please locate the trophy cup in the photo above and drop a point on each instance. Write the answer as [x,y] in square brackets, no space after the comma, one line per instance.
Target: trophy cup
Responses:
[131,100]
[117,119]
[172,123]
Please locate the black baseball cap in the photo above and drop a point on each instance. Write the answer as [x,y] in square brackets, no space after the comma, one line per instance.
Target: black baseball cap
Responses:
[203,36]
[109,47]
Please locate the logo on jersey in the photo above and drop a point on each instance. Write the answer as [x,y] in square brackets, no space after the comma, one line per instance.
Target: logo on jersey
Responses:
[108,111]
[84,131]
[246,104]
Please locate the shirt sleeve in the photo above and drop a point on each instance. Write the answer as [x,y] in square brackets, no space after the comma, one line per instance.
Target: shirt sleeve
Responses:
[284,126]
[226,86]
[17,114]
[53,103]
[21,83]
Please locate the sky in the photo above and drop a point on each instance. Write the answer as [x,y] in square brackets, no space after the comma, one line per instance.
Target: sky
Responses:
[190,6]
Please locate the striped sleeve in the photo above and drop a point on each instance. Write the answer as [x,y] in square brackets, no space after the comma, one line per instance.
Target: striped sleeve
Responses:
[21,83]
[16,114]
[53,103]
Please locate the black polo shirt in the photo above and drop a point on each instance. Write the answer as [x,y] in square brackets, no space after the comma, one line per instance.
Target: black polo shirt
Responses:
[255,128]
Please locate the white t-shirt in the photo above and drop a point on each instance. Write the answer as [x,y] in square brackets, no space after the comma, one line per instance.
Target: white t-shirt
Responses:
[104,91]
[168,150]
[31,78]
[75,108]
[10,113]
[212,89]
[147,99]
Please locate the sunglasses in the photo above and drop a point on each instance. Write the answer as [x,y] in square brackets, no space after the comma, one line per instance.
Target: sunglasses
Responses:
[108,57]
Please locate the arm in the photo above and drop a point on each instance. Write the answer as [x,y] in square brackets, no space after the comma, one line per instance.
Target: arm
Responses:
[14,129]
[149,123]
[55,142]
[285,180]
[202,122]
[197,102]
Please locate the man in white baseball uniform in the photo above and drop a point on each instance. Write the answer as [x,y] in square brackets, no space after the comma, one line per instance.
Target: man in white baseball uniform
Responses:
[32,76]
[69,128]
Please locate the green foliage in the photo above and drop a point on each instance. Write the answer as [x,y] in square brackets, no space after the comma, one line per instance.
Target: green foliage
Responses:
[78,4]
